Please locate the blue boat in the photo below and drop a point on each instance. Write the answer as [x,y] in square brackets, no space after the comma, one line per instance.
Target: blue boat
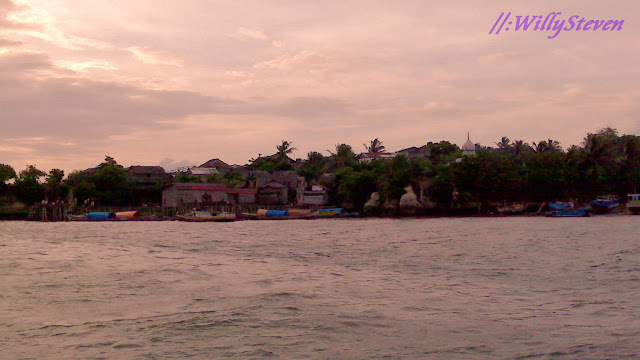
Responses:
[604,204]
[566,209]
[100,216]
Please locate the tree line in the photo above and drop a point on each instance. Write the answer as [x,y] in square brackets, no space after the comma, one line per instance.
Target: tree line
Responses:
[511,171]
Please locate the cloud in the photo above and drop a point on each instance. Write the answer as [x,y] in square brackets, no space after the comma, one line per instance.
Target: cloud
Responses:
[69,73]
[6,43]
[246,33]
[84,66]
[35,105]
[501,57]
[307,59]
[147,56]
[310,108]
[17,62]
[7,20]
[25,20]
[171,165]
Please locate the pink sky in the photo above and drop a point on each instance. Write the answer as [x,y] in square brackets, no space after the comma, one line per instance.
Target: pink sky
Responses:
[178,83]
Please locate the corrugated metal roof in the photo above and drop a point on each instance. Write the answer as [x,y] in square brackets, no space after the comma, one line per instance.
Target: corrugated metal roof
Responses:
[203,171]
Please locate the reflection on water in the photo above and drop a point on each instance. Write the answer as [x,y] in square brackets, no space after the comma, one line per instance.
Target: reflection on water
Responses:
[324,289]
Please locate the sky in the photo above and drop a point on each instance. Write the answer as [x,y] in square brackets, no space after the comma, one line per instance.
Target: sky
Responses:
[176,83]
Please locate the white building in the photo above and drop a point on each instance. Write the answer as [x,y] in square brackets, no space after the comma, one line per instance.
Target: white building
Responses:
[469,148]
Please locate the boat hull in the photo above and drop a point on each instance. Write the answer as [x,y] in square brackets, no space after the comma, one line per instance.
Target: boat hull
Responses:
[247,216]
[190,218]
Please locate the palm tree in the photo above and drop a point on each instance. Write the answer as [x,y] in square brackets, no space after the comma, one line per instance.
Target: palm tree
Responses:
[549,145]
[519,147]
[504,143]
[375,148]
[285,149]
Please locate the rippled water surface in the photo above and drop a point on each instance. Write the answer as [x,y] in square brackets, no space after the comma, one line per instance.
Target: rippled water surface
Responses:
[476,288]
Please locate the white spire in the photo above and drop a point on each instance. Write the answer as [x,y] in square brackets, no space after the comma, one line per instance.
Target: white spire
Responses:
[468,148]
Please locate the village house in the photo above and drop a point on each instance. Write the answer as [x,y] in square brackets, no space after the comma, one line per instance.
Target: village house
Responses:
[148,175]
[190,193]
[274,186]
[273,193]
[202,173]
[221,166]
[318,195]
[369,157]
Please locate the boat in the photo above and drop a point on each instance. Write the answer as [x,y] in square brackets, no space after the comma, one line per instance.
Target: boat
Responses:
[206,216]
[101,215]
[604,204]
[111,216]
[565,209]
[128,215]
[513,209]
[633,203]
[294,214]
[335,213]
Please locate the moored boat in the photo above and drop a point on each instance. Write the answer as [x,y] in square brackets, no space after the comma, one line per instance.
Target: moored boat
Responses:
[512,209]
[205,216]
[604,204]
[633,203]
[295,214]
[565,209]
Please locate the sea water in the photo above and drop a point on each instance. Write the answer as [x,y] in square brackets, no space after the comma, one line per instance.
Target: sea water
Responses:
[447,288]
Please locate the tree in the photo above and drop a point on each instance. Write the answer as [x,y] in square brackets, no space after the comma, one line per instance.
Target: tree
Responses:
[185,178]
[489,176]
[355,187]
[504,143]
[6,173]
[443,152]
[375,147]
[112,184]
[602,157]
[520,147]
[312,167]
[285,149]
[54,188]
[343,157]
[28,187]
[233,178]
[211,178]
[546,176]
[549,145]
[401,172]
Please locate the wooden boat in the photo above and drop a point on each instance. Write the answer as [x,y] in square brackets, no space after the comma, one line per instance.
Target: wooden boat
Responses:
[204,216]
[93,216]
[128,215]
[295,214]
[512,209]
[81,217]
[109,216]
[565,209]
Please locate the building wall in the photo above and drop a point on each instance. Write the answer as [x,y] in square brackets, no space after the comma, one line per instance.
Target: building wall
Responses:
[313,198]
[272,196]
[173,197]
[286,178]
[190,193]
[246,198]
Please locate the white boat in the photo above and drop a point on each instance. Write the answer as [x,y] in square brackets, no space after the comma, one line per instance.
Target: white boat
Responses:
[204,216]
[633,203]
